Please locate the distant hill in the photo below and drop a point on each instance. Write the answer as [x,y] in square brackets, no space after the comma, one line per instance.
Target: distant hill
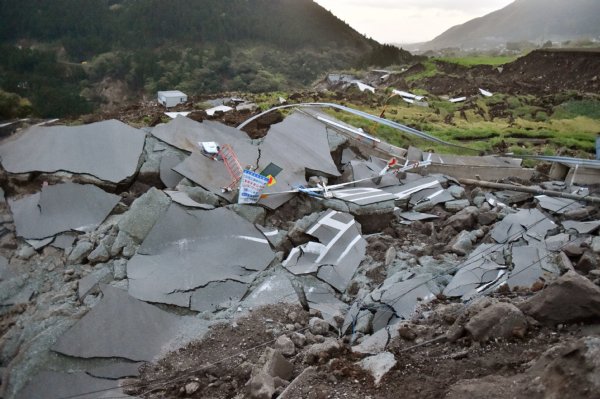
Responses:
[525,20]
[102,51]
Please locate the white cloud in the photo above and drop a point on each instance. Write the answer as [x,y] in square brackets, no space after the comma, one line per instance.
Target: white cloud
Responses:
[408,21]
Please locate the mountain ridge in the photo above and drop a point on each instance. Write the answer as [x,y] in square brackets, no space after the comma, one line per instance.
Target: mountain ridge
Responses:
[76,51]
[524,20]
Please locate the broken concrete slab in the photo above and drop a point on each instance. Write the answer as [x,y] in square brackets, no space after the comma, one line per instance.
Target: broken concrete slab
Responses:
[377,342]
[336,257]
[186,134]
[217,295]
[404,296]
[529,222]
[120,326]
[213,175]
[482,272]
[370,169]
[61,208]
[363,195]
[416,216]
[168,176]
[308,139]
[558,205]
[187,250]
[6,273]
[582,227]
[183,198]
[89,282]
[52,384]
[406,190]
[531,264]
[272,289]
[108,150]
[117,371]
[64,241]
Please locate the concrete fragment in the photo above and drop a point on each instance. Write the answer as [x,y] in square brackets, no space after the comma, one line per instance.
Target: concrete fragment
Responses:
[500,320]
[532,264]
[116,371]
[378,366]
[52,384]
[568,299]
[336,257]
[526,221]
[377,342]
[109,150]
[89,282]
[582,227]
[187,250]
[60,208]
[480,273]
[138,331]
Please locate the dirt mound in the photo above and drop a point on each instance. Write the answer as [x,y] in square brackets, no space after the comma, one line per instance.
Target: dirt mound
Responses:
[540,72]
[555,70]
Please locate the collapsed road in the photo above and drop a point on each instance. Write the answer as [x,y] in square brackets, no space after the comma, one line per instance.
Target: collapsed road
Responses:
[146,274]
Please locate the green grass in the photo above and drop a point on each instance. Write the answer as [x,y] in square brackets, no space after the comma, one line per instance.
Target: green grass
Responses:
[430,70]
[574,108]
[470,61]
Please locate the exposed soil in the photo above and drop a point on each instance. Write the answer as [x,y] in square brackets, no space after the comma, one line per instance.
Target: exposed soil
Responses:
[222,362]
[540,72]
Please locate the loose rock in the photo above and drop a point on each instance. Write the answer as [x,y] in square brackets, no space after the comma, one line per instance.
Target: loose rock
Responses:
[569,298]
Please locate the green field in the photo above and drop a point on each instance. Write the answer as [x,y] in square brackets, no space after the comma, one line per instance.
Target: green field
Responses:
[567,128]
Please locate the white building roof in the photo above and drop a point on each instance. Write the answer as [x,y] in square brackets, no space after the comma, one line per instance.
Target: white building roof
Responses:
[172,93]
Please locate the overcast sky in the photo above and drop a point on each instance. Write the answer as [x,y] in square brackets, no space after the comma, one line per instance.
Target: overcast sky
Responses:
[408,21]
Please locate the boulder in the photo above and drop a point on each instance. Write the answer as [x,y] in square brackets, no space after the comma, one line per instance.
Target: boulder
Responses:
[499,320]
[276,365]
[285,345]
[318,326]
[322,351]
[588,261]
[570,298]
[463,220]
[98,255]
[456,205]
[143,214]
[80,252]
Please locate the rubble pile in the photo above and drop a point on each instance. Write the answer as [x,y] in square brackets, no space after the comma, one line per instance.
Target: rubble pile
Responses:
[131,267]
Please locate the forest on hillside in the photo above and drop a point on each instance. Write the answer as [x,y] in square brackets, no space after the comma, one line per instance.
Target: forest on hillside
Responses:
[57,54]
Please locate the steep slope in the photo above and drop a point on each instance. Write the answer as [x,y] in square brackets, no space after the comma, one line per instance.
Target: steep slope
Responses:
[55,52]
[525,20]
